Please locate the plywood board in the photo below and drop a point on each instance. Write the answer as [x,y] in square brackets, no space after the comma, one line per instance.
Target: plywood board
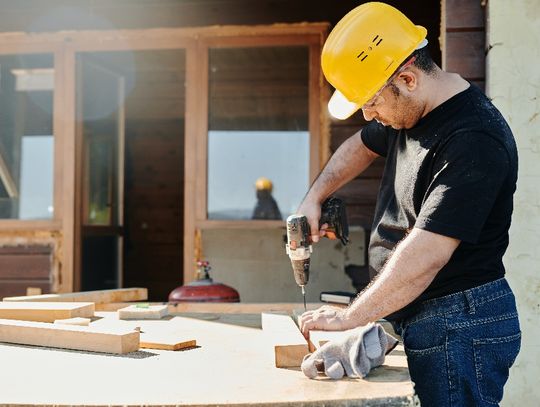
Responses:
[45,312]
[69,337]
[143,311]
[98,297]
[73,321]
[290,346]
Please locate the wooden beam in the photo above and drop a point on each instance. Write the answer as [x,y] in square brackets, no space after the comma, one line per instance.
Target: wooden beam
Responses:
[166,341]
[73,321]
[290,346]
[98,297]
[45,312]
[69,337]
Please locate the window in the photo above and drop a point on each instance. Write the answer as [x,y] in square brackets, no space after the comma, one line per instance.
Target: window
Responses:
[26,136]
[258,130]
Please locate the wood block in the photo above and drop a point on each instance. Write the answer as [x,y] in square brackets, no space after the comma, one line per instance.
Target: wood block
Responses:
[97,297]
[141,312]
[45,312]
[73,321]
[33,290]
[166,341]
[319,338]
[290,346]
[69,337]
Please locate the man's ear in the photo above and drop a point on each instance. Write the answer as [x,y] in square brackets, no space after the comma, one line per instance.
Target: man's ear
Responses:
[409,79]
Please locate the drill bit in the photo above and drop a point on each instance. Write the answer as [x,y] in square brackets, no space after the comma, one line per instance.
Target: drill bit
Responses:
[304,295]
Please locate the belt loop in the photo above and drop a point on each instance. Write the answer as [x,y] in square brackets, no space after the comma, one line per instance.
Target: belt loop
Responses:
[470,301]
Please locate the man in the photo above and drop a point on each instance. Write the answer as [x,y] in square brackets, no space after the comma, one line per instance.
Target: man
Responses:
[443,210]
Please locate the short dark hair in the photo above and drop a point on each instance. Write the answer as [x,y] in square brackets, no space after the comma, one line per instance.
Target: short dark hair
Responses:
[423,60]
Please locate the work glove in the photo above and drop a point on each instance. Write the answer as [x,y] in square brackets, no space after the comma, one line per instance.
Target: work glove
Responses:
[360,350]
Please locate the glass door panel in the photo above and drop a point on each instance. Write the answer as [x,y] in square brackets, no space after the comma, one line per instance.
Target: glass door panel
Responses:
[132,120]
[26,136]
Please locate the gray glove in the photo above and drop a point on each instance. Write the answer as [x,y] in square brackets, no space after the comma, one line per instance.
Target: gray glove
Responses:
[359,351]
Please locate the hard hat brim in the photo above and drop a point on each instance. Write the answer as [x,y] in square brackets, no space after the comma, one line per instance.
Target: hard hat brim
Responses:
[340,107]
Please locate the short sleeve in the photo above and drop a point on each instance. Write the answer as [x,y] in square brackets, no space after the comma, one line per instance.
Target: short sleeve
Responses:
[375,137]
[468,174]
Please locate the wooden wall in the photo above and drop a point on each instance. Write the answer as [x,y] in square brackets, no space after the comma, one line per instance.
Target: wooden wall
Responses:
[24,266]
[464,39]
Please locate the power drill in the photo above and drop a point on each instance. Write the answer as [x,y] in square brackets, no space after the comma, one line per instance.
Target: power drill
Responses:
[298,245]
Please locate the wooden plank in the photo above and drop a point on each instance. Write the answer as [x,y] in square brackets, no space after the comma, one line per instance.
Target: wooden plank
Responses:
[98,297]
[25,267]
[45,312]
[10,288]
[69,337]
[464,14]
[222,307]
[319,338]
[73,321]
[166,341]
[143,311]
[290,346]
[465,52]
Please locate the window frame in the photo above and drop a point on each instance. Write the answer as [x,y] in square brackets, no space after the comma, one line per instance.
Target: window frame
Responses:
[65,228]
[310,35]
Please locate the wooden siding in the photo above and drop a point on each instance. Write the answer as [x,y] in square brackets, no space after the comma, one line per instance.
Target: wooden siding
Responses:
[464,39]
[24,266]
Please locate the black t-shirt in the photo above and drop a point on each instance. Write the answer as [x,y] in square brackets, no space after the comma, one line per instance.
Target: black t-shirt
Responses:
[453,174]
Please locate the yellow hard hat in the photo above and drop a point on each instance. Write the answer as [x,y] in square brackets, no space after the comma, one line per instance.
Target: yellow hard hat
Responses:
[363,51]
[263,183]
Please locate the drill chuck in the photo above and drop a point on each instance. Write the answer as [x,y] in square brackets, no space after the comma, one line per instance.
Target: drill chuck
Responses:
[301,271]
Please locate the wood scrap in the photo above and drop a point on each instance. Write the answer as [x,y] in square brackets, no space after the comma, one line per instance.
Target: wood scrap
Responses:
[97,297]
[33,291]
[45,312]
[143,311]
[73,321]
[165,341]
[93,339]
[290,346]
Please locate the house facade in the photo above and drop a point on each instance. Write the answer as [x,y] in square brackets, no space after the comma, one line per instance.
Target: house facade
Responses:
[132,135]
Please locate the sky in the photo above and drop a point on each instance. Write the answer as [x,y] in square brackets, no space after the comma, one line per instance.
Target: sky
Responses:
[237,158]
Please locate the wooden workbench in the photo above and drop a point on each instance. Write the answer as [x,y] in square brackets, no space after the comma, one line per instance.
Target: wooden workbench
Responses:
[232,366]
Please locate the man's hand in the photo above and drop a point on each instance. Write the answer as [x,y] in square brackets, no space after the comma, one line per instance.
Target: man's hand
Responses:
[311,209]
[326,318]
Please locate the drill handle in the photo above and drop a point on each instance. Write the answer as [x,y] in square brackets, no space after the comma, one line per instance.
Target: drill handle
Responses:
[334,215]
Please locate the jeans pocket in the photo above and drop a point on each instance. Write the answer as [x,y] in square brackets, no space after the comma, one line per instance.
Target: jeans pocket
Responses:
[493,358]
[427,368]
[425,346]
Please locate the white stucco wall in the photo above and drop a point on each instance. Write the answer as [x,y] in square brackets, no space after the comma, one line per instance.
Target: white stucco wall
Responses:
[513,69]
[254,262]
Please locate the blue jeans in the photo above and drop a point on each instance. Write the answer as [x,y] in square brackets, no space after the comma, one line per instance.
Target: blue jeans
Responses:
[460,347]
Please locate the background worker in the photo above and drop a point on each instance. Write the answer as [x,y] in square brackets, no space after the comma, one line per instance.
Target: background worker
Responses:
[443,211]
[266,206]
